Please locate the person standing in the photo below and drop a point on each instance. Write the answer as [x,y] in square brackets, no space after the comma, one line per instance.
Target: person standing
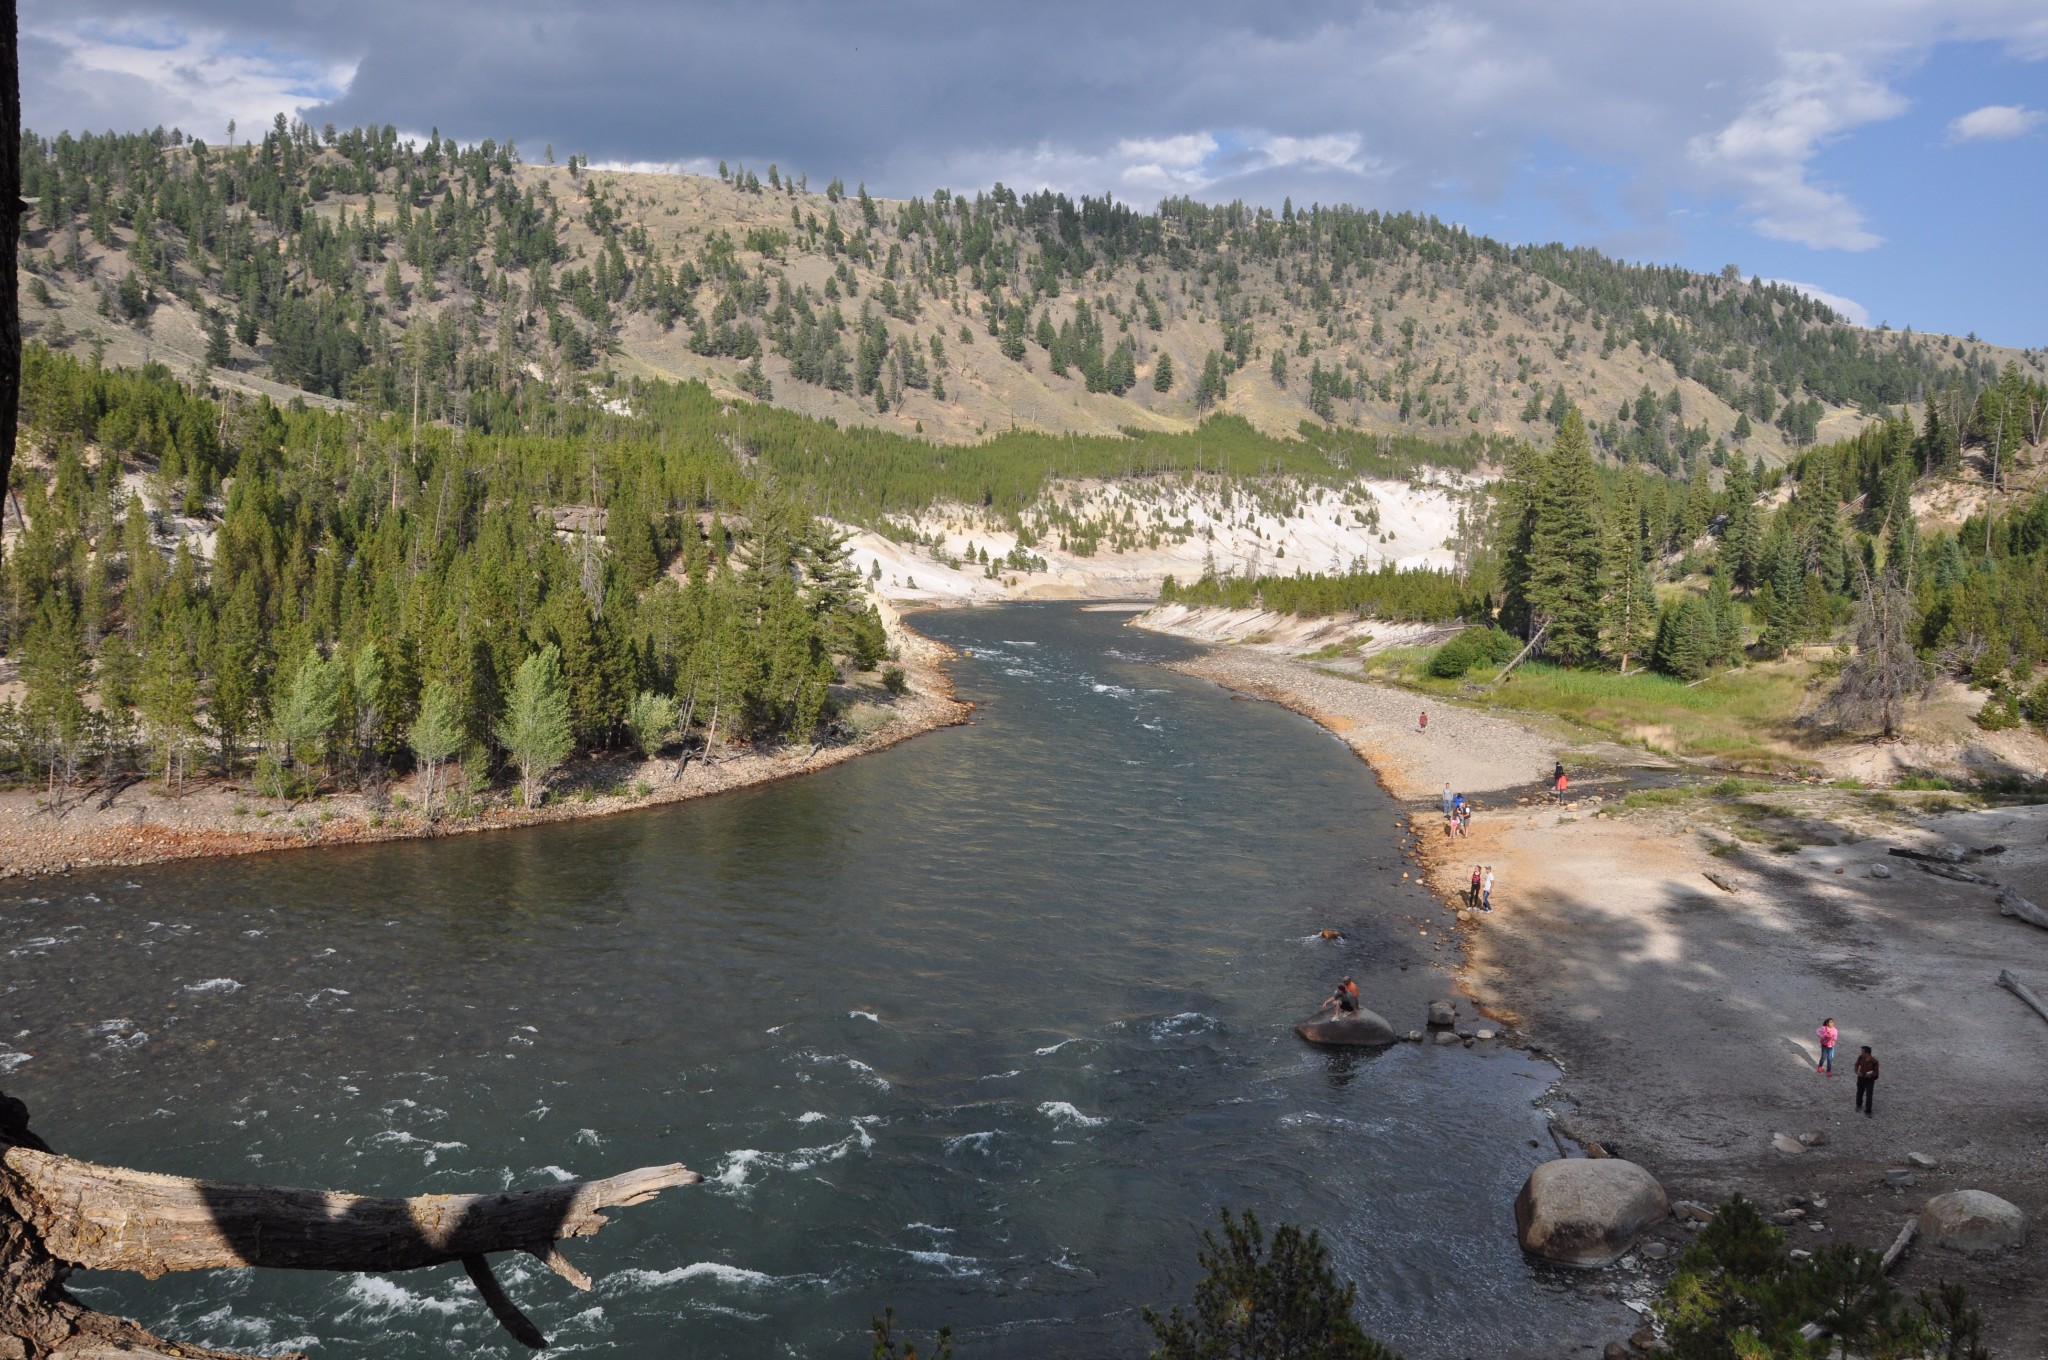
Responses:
[1866,1082]
[1475,885]
[1422,723]
[1827,1034]
[1448,797]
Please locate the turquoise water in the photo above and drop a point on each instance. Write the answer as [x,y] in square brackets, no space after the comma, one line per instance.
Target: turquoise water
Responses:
[985,1027]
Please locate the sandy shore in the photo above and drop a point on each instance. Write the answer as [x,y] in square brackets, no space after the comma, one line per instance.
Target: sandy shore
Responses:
[141,824]
[1683,1015]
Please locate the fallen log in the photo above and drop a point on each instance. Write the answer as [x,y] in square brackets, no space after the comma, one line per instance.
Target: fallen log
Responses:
[1950,872]
[2022,991]
[2011,903]
[58,1214]
[1812,1331]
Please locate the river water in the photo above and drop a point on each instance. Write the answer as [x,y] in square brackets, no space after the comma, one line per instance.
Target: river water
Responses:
[985,1027]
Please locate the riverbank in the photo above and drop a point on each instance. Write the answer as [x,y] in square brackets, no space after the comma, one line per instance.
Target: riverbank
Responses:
[141,823]
[1682,1013]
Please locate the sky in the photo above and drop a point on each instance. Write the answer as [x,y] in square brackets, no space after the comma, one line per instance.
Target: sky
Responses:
[1886,155]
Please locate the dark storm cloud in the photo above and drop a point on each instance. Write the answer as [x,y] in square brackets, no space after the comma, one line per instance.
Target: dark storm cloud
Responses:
[1378,103]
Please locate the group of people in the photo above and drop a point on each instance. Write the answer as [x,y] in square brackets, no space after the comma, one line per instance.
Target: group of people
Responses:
[1481,895]
[1866,1066]
[1457,814]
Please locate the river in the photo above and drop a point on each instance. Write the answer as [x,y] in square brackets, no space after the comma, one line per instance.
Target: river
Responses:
[984,1027]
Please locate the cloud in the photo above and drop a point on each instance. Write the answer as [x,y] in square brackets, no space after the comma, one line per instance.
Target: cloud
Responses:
[1850,310]
[129,74]
[1387,103]
[1765,152]
[1994,123]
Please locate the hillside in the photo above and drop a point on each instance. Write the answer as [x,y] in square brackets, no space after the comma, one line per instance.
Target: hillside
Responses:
[453,278]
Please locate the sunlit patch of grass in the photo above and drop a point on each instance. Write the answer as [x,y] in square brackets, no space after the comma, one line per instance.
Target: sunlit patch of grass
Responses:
[1730,716]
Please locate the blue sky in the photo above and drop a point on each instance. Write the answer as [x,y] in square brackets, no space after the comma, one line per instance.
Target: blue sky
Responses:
[1889,154]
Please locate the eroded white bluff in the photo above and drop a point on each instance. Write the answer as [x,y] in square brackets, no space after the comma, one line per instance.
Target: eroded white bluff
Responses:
[1585,1212]
[1972,1221]
[1361,1029]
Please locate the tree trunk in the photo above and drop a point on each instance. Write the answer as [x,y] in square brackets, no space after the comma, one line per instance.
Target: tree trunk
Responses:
[58,1214]
[10,231]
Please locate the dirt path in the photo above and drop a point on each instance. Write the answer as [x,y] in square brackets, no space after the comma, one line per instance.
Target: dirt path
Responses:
[1682,1015]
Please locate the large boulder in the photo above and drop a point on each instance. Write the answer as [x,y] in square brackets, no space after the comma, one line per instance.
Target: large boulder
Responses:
[1586,1212]
[1972,1221]
[1361,1029]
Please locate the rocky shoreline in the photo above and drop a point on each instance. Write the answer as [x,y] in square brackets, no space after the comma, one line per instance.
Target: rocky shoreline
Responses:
[139,824]
[1674,954]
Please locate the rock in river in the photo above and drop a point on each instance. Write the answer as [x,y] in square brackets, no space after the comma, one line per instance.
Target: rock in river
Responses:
[1364,1029]
[1585,1212]
[1972,1221]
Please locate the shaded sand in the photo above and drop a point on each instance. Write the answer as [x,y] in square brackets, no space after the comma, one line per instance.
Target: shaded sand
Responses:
[1683,1015]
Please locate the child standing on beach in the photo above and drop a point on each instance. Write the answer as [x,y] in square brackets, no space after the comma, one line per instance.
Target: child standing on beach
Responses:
[1422,723]
[1827,1033]
[1486,890]
[1475,885]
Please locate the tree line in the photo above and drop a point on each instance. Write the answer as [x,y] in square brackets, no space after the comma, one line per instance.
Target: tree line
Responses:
[362,598]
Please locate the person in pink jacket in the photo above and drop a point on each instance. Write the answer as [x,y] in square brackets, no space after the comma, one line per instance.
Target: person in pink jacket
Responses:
[1827,1033]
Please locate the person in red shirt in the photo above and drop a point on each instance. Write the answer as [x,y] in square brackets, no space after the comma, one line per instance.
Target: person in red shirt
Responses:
[1866,1082]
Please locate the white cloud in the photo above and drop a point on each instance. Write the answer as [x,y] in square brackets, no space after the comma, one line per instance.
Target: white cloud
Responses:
[158,73]
[1850,310]
[1994,123]
[1765,152]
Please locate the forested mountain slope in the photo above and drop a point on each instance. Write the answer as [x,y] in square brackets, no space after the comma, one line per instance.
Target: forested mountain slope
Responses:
[461,281]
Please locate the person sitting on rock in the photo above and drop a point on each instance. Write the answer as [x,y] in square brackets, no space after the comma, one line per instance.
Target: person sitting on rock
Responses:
[1344,999]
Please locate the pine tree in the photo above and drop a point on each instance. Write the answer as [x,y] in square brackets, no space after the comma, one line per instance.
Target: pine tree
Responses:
[1565,554]
[169,705]
[1162,372]
[1631,620]
[234,667]
[1740,540]
[53,669]
[535,731]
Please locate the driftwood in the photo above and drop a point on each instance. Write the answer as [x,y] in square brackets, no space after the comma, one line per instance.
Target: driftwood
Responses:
[2011,903]
[1812,1331]
[1953,874]
[1530,647]
[58,1214]
[2022,991]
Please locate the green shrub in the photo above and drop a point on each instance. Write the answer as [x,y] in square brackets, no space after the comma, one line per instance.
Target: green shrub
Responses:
[2000,712]
[894,681]
[1737,1292]
[1288,1305]
[1473,647]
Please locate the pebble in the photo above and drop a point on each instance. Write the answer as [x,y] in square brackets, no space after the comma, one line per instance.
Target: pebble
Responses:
[1880,871]
[1922,1160]
[1655,1250]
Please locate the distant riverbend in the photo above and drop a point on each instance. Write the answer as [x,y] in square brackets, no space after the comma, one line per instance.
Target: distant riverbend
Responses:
[984,1027]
